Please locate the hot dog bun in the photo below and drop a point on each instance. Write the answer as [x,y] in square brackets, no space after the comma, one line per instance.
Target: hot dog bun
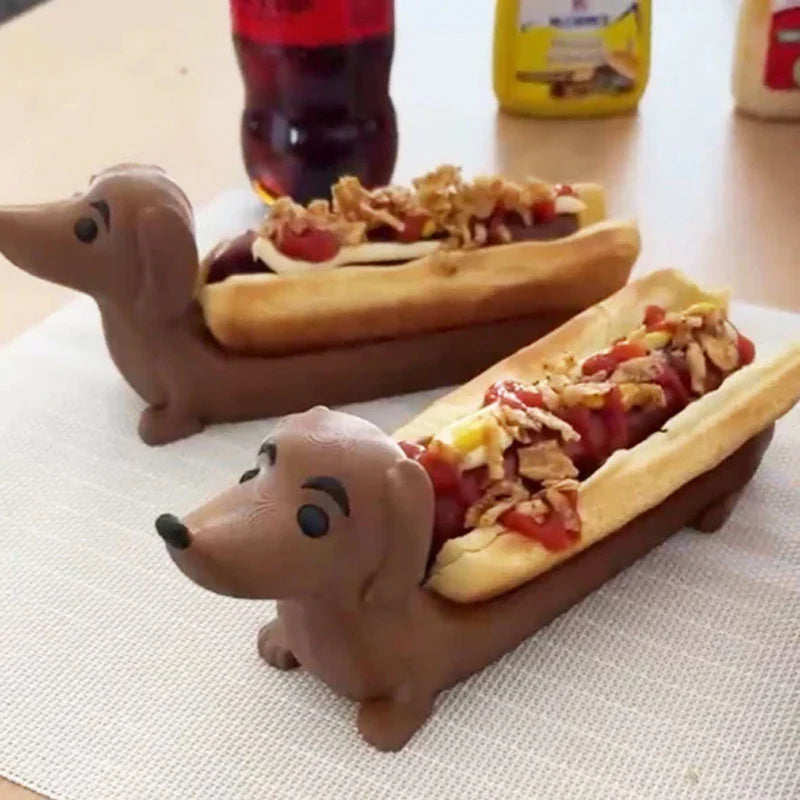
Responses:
[277,314]
[489,561]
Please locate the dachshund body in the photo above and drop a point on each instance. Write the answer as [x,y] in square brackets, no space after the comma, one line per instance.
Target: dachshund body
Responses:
[336,523]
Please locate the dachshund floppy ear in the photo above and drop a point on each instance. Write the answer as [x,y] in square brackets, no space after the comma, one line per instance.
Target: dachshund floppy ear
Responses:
[168,260]
[409,527]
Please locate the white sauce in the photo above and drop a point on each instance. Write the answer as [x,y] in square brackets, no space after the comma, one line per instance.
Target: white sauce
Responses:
[569,204]
[368,253]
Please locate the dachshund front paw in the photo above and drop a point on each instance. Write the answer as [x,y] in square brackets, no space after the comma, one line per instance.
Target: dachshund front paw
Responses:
[388,724]
[712,518]
[159,426]
[273,649]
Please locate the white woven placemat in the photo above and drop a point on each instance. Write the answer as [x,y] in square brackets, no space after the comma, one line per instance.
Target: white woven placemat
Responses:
[120,680]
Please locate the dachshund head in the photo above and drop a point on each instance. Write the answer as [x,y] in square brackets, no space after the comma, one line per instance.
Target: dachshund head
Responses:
[332,509]
[128,240]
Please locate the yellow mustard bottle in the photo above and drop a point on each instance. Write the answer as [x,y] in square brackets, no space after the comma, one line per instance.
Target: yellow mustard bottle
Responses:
[571,58]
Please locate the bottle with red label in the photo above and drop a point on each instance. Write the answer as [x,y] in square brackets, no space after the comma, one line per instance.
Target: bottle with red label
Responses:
[317,105]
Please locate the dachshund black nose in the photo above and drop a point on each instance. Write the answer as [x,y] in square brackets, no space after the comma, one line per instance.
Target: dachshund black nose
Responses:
[173,531]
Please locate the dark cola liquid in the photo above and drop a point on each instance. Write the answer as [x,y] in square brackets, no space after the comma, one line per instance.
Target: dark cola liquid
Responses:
[313,114]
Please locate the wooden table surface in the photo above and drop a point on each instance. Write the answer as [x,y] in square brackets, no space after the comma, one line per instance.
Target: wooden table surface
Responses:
[716,194]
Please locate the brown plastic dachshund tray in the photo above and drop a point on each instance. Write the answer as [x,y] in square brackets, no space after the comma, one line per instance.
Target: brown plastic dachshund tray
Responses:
[129,243]
[352,608]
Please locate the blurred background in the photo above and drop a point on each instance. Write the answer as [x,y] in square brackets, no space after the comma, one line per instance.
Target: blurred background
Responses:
[158,82]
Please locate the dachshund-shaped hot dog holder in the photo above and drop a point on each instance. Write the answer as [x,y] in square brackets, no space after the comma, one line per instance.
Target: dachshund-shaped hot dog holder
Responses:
[129,243]
[335,522]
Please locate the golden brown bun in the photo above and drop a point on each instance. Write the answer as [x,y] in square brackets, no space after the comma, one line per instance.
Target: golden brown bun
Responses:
[488,562]
[272,315]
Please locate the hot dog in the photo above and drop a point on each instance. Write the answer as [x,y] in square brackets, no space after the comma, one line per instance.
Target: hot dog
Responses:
[566,441]
[392,262]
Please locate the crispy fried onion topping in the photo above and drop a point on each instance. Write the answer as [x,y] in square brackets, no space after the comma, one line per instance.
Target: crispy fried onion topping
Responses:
[642,369]
[721,348]
[521,423]
[696,362]
[587,394]
[495,501]
[463,213]
[642,395]
[545,461]
[557,495]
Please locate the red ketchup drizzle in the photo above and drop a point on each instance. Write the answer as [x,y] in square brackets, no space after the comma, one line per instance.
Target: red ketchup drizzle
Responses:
[653,315]
[454,493]
[552,534]
[655,320]
[602,362]
[312,244]
[412,230]
[623,351]
[444,476]
[747,350]
[544,211]
[608,362]
[514,394]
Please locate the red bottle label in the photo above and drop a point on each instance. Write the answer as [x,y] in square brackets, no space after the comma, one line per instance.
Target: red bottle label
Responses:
[782,65]
[311,23]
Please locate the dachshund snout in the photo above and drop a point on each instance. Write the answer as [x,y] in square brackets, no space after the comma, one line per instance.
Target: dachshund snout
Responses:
[173,531]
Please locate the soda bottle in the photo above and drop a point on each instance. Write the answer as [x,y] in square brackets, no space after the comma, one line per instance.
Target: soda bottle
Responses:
[316,75]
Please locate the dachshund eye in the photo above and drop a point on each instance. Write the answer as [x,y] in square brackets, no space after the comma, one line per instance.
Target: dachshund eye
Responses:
[313,521]
[249,475]
[86,230]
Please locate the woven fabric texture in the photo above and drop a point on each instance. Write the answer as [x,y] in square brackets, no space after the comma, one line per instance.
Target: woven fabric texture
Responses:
[121,680]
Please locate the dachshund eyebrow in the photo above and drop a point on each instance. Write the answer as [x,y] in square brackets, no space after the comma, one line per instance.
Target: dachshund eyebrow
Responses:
[331,487]
[270,450]
[104,210]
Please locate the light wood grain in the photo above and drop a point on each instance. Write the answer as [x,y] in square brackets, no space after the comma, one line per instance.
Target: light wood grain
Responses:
[715,194]
[94,87]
